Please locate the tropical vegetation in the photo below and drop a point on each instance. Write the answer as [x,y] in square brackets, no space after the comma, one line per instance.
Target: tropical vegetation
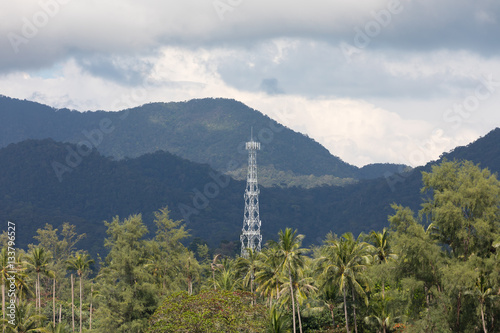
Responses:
[436,270]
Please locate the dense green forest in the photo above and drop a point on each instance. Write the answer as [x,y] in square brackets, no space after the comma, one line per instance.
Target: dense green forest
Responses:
[211,131]
[435,270]
[98,188]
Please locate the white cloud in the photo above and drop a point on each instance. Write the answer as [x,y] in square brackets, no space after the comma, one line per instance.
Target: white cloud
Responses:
[357,131]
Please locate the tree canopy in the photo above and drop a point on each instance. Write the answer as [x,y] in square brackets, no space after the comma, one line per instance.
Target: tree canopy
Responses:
[435,270]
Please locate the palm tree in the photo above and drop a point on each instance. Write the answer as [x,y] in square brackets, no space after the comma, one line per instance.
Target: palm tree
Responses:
[38,259]
[382,251]
[21,277]
[57,328]
[27,320]
[343,262]
[156,265]
[380,318]
[213,266]
[72,304]
[191,268]
[268,273]
[4,275]
[303,286]
[227,280]
[92,294]
[54,301]
[482,292]
[277,321]
[247,267]
[329,297]
[291,258]
[383,321]
[80,263]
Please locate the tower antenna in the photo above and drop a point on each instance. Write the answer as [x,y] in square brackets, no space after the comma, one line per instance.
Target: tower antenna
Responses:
[250,237]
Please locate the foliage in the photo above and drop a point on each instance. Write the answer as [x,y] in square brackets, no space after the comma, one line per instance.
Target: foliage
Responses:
[269,176]
[80,263]
[465,207]
[26,320]
[291,258]
[277,320]
[57,328]
[343,262]
[128,294]
[437,270]
[444,264]
[209,311]
[99,188]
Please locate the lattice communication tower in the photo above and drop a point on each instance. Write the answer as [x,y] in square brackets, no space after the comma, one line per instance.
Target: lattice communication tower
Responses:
[251,237]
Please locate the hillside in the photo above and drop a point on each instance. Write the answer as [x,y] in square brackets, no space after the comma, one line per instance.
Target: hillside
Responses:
[210,131]
[39,183]
[98,188]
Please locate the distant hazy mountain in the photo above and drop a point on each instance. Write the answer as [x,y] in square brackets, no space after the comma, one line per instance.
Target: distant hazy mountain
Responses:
[43,181]
[209,131]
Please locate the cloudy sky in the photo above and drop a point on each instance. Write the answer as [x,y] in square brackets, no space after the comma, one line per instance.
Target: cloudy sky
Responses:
[371,80]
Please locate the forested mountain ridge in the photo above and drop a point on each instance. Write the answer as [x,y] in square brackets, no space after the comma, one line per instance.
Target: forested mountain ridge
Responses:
[41,181]
[208,130]
[96,188]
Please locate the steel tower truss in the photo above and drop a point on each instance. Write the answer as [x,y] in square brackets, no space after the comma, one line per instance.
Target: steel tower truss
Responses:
[251,237]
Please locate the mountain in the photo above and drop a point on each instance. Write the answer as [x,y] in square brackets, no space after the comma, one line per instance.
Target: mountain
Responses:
[484,151]
[376,170]
[44,181]
[211,131]
[404,188]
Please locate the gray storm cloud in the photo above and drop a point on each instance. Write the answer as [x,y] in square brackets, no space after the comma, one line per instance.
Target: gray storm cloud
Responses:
[40,33]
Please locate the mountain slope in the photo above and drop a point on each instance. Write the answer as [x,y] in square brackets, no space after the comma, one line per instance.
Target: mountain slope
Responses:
[98,188]
[33,191]
[209,131]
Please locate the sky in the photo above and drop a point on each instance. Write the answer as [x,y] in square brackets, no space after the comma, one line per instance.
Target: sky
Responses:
[398,81]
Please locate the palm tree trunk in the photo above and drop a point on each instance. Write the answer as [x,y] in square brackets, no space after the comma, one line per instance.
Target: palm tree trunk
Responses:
[298,314]
[277,291]
[90,313]
[482,318]
[72,303]
[459,305]
[81,303]
[383,288]
[293,299]
[354,311]
[60,312]
[3,303]
[345,312]
[330,306]
[39,292]
[213,278]
[54,302]
[426,297]
[251,287]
